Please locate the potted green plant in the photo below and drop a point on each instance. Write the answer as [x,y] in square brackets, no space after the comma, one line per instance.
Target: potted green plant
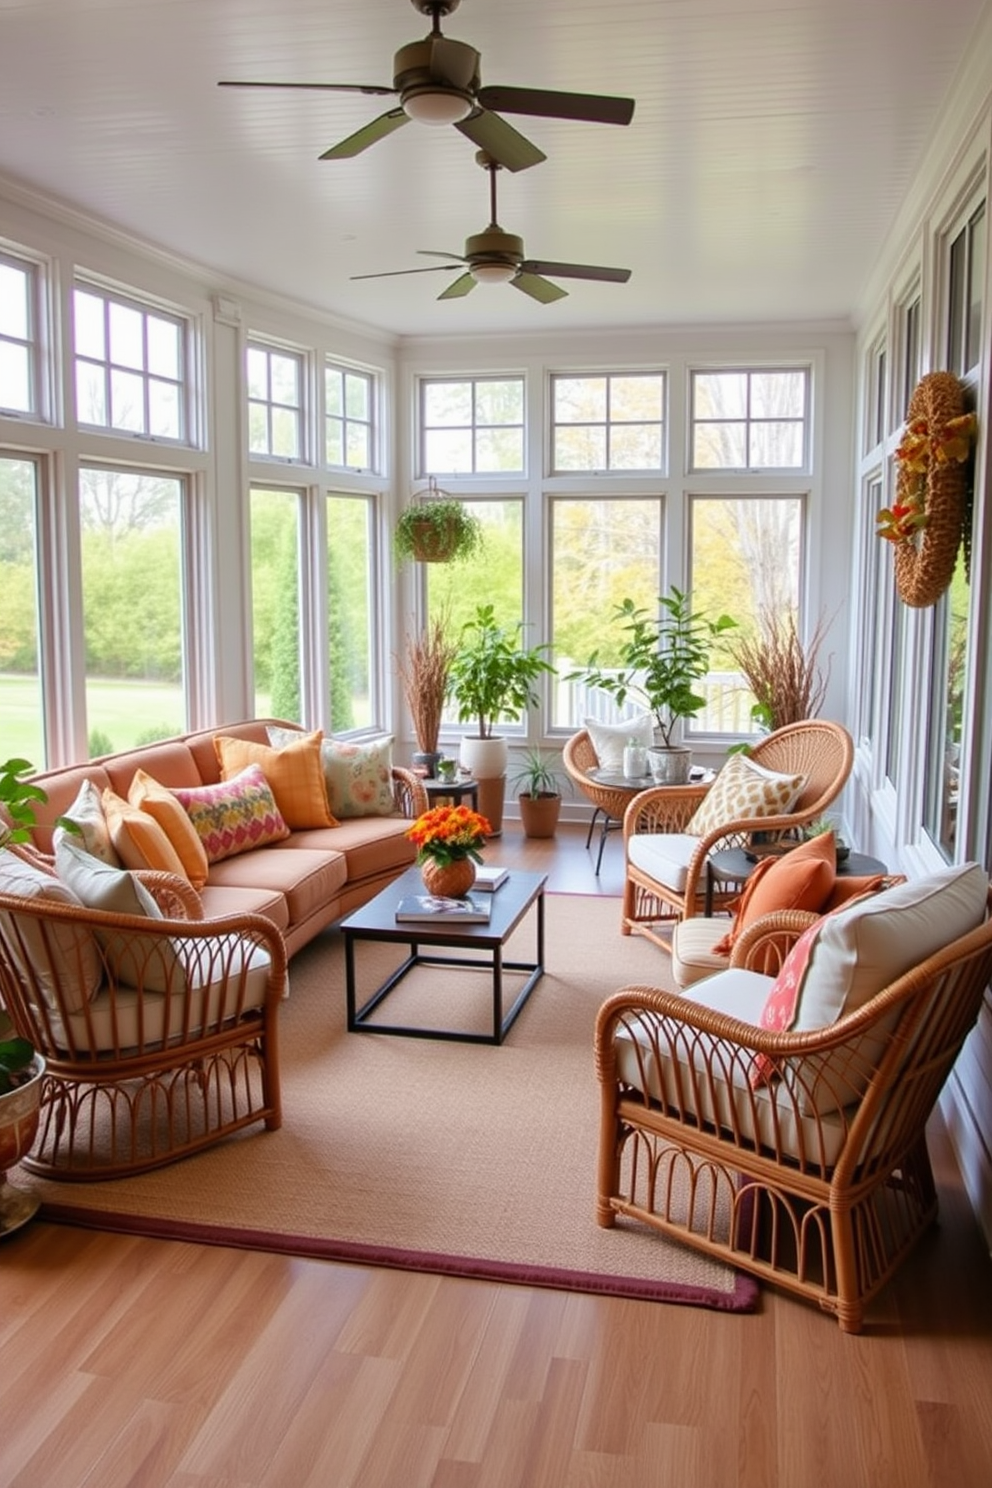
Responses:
[493,676]
[539,794]
[21,1067]
[436,528]
[660,661]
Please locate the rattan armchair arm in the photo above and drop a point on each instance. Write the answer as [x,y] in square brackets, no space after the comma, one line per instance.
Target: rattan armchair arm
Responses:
[662,808]
[408,793]
[175,896]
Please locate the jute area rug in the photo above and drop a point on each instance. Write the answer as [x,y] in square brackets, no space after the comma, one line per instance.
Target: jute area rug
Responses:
[466,1159]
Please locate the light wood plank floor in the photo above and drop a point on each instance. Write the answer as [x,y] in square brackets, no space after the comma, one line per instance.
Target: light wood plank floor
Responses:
[167,1365]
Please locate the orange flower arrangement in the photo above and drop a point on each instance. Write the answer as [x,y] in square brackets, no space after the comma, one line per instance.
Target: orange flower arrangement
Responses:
[449,834]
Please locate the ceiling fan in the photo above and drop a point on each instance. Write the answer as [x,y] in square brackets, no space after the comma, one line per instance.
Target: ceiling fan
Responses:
[497,257]
[438,82]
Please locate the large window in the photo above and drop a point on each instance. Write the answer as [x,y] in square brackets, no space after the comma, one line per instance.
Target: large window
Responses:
[352,637]
[349,399]
[746,561]
[606,423]
[275,603]
[472,426]
[275,402]
[964,276]
[21,698]
[603,551]
[130,366]
[18,336]
[131,526]
[749,420]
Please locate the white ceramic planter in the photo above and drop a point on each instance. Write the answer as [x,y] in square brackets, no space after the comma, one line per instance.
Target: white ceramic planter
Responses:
[484,759]
[670,766]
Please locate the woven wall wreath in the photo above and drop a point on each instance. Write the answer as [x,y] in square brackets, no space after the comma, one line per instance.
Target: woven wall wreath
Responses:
[927,519]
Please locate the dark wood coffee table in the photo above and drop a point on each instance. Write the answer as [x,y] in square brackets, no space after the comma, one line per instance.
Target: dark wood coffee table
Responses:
[377,921]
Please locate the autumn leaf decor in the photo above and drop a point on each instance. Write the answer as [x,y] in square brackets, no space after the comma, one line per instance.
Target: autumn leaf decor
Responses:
[926,521]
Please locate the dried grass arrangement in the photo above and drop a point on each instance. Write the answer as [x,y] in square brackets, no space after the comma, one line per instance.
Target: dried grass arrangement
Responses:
[782,671]
[424,669]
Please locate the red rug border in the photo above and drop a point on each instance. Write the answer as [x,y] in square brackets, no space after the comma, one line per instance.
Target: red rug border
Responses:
[742,1298]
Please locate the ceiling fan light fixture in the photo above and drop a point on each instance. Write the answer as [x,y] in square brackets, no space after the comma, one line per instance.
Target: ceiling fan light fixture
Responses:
[436,106]
[493,273]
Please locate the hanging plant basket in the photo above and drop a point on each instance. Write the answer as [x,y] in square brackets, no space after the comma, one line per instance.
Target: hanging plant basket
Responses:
[927,519]
[436,528]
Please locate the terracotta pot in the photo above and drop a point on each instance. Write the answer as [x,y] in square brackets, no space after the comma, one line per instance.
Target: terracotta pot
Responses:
[539,814]
[448,880]
[19,1112]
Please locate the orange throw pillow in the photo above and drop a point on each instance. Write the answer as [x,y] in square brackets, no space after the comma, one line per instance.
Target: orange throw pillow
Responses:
[162,806]
[138,839]
[295,774]
[801,879]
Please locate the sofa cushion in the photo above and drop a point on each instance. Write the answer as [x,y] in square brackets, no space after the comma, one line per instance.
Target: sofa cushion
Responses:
[59,956]
[295,774]
[164,807]
[169,761]
[220,900]
[309,880]
[89,816]
[139,960]
[138,839]
[234,816]
[370,847]
[800,879]
[609,739]
[742,790]
[358,773]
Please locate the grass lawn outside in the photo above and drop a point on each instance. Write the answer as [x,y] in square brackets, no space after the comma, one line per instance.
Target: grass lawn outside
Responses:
[124,712]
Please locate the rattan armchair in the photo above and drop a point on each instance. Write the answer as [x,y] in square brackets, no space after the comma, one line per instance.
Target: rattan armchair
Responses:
[821,751]
[610,801]
[824,1205]
[149,1069]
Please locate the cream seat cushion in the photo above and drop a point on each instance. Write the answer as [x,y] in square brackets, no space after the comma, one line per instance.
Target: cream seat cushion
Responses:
[769,1116]
[663,856]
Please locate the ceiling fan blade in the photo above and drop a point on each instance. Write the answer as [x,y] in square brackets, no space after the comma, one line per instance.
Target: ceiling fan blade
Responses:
[507,146]
[396,273]
[462,286]
[439,253]
[538,289]
[369,134]
[375,88]
[575,271]
[591,107]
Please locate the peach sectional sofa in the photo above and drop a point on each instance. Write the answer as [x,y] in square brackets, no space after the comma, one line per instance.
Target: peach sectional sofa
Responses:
[302,881]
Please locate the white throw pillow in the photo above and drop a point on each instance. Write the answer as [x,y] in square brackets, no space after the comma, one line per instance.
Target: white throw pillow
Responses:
[609,739]
[63,956]
[89,816]
[137,960]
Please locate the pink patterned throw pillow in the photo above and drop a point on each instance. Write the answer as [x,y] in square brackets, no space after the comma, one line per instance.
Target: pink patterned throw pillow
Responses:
[235,815]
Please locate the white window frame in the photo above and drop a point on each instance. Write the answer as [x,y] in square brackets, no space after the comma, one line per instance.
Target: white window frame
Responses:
[105,366]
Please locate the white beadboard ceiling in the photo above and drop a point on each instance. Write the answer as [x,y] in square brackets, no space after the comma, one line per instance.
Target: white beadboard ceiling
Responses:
[771,147]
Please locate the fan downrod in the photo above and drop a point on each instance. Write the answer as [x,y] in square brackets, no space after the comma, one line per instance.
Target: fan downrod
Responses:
[435,8]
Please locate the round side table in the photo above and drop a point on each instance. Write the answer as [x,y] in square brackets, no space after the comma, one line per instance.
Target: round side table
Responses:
[734,865]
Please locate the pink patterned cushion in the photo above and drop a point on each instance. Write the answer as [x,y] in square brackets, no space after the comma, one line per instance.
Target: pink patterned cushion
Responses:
[235,815]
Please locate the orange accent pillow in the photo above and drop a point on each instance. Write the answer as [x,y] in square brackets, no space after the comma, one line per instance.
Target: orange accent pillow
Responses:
[801,879]
[138,840]
[161,805]
[295,774]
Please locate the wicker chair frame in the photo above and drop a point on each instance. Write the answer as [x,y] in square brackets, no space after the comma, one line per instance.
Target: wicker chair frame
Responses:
[579,757]
[825,1207]
[111,1111]
[820,750]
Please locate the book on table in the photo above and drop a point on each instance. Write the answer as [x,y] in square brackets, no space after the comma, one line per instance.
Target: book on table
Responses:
[489,876]
[437,908]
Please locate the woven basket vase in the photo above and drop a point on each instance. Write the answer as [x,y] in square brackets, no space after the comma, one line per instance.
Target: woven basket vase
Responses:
[448,880]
